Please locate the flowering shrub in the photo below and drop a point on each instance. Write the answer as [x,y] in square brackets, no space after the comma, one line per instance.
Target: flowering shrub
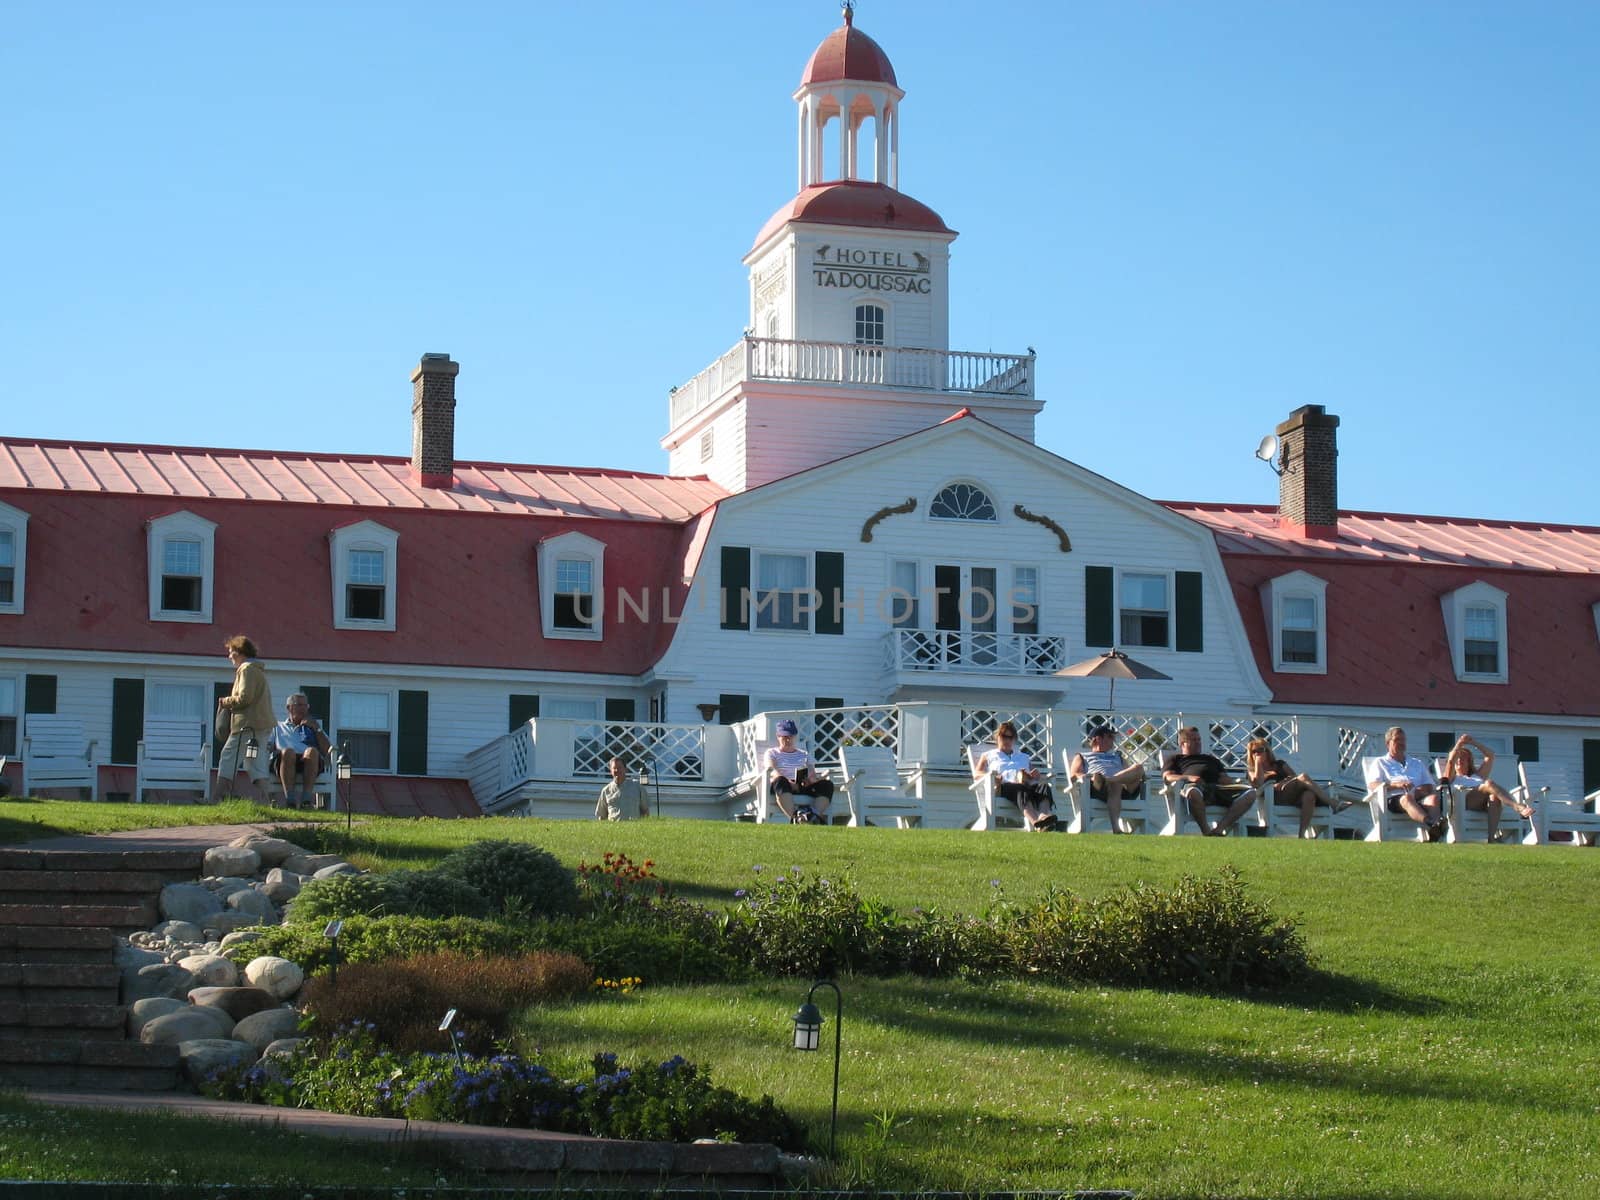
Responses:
[623,986]
[618,884]
[353,1073]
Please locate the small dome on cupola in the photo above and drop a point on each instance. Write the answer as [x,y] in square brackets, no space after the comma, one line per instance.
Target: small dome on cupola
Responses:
[847,53]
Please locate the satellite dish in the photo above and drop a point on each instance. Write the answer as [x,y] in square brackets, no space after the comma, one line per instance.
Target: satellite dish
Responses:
[1267,451]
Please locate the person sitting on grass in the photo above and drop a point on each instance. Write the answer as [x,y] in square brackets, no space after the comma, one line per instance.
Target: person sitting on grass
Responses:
[1111,778]
[1202,781]
[1020,781]
[1481,793]
[792,780]
[1296,790]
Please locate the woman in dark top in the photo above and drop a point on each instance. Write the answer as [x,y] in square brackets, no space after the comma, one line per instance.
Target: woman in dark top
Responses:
[1288,786]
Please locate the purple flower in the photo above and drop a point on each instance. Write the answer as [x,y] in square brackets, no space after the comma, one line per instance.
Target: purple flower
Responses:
[758,868]
[739,895]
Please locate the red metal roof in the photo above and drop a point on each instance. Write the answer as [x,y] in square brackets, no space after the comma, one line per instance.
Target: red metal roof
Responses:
[364,481]
[847,53]
[1386,574]
[855,202]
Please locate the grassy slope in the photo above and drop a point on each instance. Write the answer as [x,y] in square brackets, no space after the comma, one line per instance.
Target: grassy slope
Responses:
[1452,1054]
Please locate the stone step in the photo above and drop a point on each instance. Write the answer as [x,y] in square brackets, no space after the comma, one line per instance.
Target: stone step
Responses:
[55,944]
[59,983]
[62,898]
[136,883]
[112,1066]
[90,1021]
[179,863]
[143,915]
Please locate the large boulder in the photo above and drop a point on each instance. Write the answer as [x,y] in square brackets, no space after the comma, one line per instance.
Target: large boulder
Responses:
[130,958]
[189,902]
[237,1002]
[142,1012]
[211,970]
[264,1028]
[194,1021]
[332,869]
[226,885]
[231,860]
[185,933]
[157,979]
[276,975]
[253,903]
[201,1056]
[310,864]
[281,886]
[240,937]
[283,1047]
[271,851]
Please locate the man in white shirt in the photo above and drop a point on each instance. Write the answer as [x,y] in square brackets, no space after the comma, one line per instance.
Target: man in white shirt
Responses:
[1408,785]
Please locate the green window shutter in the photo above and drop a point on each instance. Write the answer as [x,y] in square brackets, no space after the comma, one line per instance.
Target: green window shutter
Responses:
[1440,744]
[218,691]
[620,708]
[39,694]
[732,708]
[830,590]
[1591,765]
[520,710]
[320,700]
[1525,748]
[412,731]
[127,719]
[829,702]
[1098,617]
[736,587]
[1191,612]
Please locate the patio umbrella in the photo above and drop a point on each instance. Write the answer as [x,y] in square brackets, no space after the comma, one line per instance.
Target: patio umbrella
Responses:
[1112,665]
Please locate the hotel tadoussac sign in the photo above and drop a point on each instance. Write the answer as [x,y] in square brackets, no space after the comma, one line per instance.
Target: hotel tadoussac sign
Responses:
[871,270]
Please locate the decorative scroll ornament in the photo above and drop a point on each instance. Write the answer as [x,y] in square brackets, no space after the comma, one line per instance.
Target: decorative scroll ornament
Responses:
[1052,526]
[909,506]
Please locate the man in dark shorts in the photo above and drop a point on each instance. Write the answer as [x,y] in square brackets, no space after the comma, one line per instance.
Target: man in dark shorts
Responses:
[1202,780]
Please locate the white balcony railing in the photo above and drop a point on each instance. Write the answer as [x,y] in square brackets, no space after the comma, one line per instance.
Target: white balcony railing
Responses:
[976,653]
[849,365]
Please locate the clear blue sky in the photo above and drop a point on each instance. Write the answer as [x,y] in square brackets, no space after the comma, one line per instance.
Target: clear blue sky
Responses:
[240,224]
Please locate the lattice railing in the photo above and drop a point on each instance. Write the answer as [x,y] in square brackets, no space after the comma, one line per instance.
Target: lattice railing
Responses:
[822,731]
[1141,737]
[990,653]
[1035,731]
[1355,744]
[1227,737]
[677,751]
[516,763]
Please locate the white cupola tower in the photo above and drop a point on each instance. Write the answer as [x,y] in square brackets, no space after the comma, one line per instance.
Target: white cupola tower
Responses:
[848,342]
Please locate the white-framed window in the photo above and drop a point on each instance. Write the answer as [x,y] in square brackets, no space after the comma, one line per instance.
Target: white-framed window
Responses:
[572,569]
[176,698]
[905,596]
[1024,599]
[570,708]
[870,325]
[182,550]
[13,557]
[962,501]
[782,591]
[363,723]
[10,702]
[1294,607]
[365,576]
[1475,626]
[1144,612]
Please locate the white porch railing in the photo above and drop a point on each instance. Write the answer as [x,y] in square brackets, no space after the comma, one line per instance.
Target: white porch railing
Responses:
[676,751]
[848,364]
[980,653]
[822,731]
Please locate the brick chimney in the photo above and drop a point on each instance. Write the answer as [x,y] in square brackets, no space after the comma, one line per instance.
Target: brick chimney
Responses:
[1308,488]
[433,420]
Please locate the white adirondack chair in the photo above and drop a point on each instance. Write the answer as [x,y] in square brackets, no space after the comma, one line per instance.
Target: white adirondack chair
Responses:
[1558,805]
[985,790]
[1386,826]
[874,790]
[1346,812]
[761,805]
[56,753]
[1144,813]
[1180,820]
[173,756]
[1469,826]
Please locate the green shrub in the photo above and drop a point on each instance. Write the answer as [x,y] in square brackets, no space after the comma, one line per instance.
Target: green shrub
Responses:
[816,927]
[321,900]
[515,877]
[652,947]
[401,1001]
[377,939]
[435,894]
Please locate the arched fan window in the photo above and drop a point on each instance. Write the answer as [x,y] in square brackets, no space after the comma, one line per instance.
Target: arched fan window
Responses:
[962,502]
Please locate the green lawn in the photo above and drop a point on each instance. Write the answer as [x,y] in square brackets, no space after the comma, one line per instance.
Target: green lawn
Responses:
[30,820]
[1451,1049]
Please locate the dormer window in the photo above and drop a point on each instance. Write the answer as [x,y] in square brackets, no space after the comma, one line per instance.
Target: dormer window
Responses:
[13,557]
[1475,625]
[962,502]
[1294,607]
[180,550]
[365,576]
[572,586]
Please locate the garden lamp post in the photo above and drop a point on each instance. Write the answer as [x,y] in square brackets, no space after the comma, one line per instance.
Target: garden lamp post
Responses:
[252,751]
[444,1028]
[341,791]
[331,932]
[808,1033]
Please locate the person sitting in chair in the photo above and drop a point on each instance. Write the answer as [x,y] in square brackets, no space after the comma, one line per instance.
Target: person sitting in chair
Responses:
[1020,781]
[1289,787]
[299,747]
[1111,777]
[1481,793]
[799,792]
[1408,786]
[1203,781]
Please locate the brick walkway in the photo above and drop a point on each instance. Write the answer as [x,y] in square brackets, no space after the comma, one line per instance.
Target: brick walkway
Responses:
[179,837]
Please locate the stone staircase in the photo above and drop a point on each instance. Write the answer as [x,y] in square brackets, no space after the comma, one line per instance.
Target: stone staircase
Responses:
[61,1017]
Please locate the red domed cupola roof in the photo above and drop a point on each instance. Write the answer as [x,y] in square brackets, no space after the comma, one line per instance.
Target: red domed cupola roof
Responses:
[847,53]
